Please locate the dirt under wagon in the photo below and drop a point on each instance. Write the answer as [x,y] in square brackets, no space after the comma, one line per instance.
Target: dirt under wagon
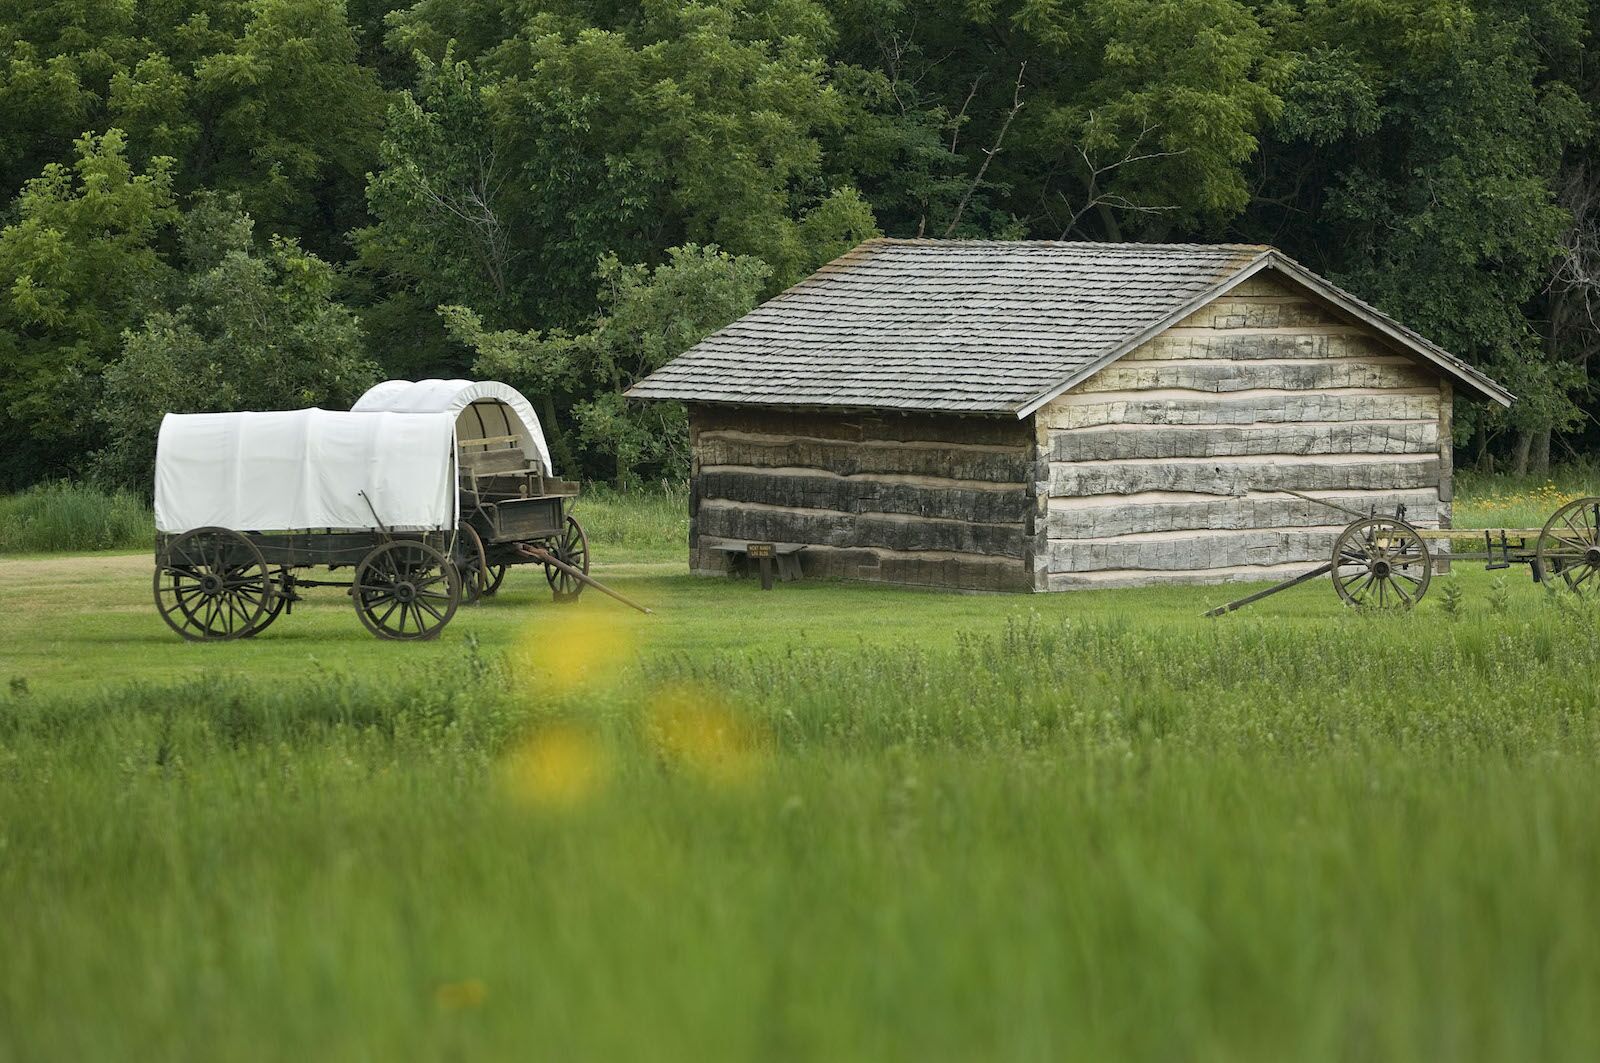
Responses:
[425,492]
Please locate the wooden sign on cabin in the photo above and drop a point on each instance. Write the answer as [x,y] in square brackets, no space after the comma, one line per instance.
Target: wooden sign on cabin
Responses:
[1041,416]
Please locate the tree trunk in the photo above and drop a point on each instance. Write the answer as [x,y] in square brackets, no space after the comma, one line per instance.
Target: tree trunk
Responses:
[1519,453]
[560,454]
[1541,453]
[1480,449]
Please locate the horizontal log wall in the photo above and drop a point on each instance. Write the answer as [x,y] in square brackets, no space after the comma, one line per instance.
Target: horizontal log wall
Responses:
[1175,462]
[940,501]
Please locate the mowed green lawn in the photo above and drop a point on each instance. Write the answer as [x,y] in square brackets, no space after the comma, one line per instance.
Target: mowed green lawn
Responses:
[830,821]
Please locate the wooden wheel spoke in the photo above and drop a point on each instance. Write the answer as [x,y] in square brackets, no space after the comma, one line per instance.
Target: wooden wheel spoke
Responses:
[1415,580]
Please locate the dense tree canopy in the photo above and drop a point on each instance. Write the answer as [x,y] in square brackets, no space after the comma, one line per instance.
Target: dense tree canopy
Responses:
[587,186]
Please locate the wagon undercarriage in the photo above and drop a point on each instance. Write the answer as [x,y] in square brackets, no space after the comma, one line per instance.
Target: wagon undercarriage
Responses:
[1383,562]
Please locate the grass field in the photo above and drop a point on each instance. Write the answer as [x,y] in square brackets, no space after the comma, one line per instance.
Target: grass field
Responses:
[832,821]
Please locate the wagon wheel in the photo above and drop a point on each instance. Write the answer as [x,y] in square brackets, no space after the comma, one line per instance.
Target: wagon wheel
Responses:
[406,590]
[494,576]
[1569,545]
[280,601]
[573,548]
[474,566]
[212,584]
[1381,563]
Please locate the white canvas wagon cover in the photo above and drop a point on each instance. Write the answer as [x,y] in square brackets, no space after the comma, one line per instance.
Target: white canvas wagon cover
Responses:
[305,469]
[483,409]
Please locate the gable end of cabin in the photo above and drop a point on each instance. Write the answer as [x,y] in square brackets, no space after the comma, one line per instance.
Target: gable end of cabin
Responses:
[1175,463]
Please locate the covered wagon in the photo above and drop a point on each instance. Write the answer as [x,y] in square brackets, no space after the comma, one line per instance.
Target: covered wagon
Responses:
[426,491]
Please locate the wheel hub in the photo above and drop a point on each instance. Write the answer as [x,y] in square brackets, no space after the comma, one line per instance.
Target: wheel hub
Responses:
[211,584]
[1380,568]
[405,591]
[1592,555]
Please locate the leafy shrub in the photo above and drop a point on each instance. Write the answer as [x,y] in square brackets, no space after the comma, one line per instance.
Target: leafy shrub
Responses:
[69,516]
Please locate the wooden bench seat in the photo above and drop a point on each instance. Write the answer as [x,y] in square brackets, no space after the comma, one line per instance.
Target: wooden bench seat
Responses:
[785,555]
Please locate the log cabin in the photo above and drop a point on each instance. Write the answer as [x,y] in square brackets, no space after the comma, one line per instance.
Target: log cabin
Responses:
[1039,416]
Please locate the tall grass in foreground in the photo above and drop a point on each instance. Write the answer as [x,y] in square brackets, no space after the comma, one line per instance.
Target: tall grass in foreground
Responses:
[1068,839]
[73,517]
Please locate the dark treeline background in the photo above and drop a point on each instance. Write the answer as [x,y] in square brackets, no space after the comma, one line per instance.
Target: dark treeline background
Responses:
[236,204]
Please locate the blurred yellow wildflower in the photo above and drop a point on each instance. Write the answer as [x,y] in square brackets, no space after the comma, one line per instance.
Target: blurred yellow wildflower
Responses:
[697,730]
[459,996]
[558,765]
[571,647]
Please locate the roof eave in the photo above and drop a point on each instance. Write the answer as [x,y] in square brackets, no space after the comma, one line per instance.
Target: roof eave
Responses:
[1457,370]
[1449,364]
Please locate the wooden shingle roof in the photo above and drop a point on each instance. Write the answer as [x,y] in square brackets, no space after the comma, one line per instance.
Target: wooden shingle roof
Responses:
[979,327]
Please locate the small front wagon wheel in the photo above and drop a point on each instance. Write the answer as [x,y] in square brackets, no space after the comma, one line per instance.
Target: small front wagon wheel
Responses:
[474,566]
[1381,563]
[1569,545]
[573,549]
[406,590]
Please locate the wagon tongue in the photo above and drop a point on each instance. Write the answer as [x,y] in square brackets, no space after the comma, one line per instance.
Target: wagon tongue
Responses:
[539,553]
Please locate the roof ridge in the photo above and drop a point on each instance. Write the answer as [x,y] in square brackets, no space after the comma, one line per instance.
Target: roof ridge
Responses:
[928,241]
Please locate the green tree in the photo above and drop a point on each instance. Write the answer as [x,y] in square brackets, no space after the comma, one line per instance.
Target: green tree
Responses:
[255,329]
[1097,119]
[1415,161]
[78,266]
[549,135]
[649,315]
[265,98]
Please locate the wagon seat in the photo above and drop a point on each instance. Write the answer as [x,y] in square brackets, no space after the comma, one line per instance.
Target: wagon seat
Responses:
[500,443]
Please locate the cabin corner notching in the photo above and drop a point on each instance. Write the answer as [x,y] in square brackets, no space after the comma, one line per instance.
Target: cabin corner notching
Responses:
[1027,416]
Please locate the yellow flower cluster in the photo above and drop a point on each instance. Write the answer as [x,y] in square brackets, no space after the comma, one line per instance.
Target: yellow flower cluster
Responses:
[1545,498]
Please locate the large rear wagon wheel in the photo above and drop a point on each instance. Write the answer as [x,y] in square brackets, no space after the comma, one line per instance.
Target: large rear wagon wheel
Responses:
[1569,545]
[1381,563]
[406,590]
[572,547]
[211,585]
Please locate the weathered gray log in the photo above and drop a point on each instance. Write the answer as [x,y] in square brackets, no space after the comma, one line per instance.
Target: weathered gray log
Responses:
[1257,346]
[1244,312]
[1187,553]
[1230,477]
[1074,411]
[1218,377]
[1062,581]
[970,572]
[1153,441]
[1107,516]
[860,494]
[988,463]
[740,520]
[858,427]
